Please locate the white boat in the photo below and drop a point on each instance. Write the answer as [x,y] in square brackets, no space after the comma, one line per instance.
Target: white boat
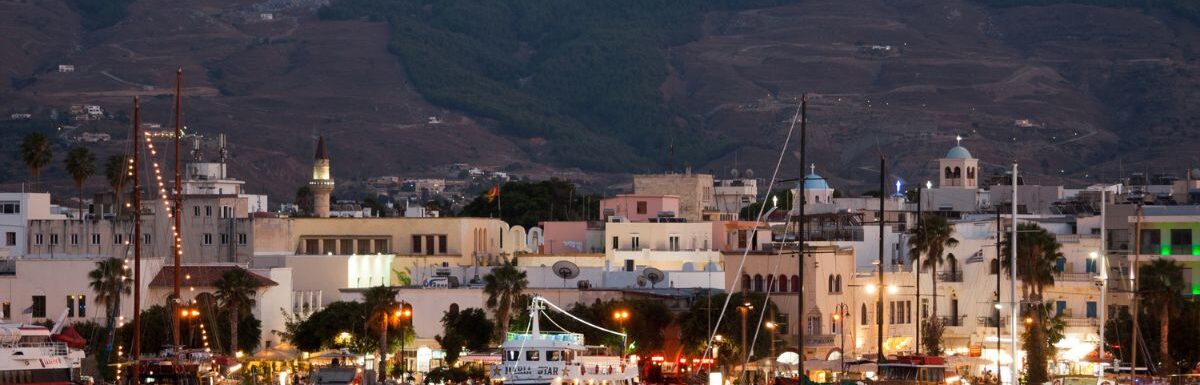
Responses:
[28,355]
[558,358]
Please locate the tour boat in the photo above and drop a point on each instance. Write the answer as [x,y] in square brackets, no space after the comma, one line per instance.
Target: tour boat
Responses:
[537,357]
[30,354]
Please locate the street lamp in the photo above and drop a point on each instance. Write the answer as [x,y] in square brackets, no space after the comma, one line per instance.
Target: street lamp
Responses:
[620,316]
[771,325]
[745,310]
[404,312]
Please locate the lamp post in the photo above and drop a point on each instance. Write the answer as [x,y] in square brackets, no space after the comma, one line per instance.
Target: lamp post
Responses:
[839,316]
[771,325]
[745,310]
[405,312]
[620,316]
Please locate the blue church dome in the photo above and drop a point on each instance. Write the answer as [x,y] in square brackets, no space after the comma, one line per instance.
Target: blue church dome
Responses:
[958,152]
[812,181]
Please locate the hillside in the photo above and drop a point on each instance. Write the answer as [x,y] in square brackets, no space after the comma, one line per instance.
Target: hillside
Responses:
[556,87]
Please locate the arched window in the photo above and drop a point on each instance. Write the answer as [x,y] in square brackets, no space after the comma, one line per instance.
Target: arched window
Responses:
[862,314]
[745,282]
[795,283]
[771,283]
[837,282]
[758,283]
[830,284]
[957,172]
[949,174]
[995,268]
[783,283]
[970,173]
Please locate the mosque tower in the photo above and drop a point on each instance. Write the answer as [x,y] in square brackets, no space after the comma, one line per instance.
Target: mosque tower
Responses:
[321,184]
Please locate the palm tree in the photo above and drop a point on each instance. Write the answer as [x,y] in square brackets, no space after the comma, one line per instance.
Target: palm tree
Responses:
[81,164]
[932,238]
[116,171]
[235,292]
[1160,286]
[109,281]
[503,286]
[1037,253]
[35,151]
[381,300]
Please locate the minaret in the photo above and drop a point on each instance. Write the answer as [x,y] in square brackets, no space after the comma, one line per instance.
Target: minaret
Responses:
[321,184]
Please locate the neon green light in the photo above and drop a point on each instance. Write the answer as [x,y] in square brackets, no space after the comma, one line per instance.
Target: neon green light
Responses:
[1165,249]
[1195,249]
[1196,288]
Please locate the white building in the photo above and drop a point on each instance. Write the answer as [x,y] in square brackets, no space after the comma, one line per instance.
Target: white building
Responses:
[16,210]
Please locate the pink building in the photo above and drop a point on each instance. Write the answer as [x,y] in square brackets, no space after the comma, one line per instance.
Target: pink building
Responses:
[735,236]
[568,237]
[639,208]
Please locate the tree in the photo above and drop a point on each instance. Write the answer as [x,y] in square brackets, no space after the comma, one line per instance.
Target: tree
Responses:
[81,164]
[109,281]
[749,212]
[503,286]
[116,172]
[35,151]
[235,293]
[931,336]
[1039,337]
[469,328]
[1160,286]
[527,203]
[1037,254]
[381,302]
[304,201]
[695,323]
[932,238]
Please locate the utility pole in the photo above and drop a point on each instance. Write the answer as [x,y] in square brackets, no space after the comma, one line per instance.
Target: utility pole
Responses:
[1103,265]
[137,244]
[917,264]
[176,228]
[801,238]
[999,251]
[879,304]
[1133,276]
[1012,290]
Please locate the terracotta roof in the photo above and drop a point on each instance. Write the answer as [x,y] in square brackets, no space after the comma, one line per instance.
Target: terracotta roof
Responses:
[202,276]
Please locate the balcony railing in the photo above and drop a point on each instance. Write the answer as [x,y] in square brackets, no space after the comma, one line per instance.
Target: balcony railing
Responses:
[950,276]
[992,321]
[1081,322]
[819,339]
[1074,277]
[953,321]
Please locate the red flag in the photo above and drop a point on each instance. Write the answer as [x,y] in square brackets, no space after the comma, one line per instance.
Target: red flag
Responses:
[493,193]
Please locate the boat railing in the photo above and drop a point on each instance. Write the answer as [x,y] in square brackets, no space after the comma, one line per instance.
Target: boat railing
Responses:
[575,338]
[55,348]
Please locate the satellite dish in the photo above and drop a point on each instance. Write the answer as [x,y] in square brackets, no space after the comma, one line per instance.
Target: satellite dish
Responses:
[641,281]
[749,174]
[734,173]
[653,275]
[565,270]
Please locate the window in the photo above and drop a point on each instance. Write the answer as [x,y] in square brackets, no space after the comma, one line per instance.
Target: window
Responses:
[1060,264]
[364,246]
[1060,307]
[908,312]
[995,268]
[1091,309]
[196,210]
[862,314]
[628,265]
[6,310]
[241,238]
[207,238]
[10,238]
[533,355]
[781,321]
[381,246]
[512,355]
[758,283]
[641,207]
[312,246]
[1090,265]
[616,243]
[416,244]
[95,239]
[746,284]
[226,212]
[783,283]
[554,355]
[892,312]
[53,239]
[10,207]
[833,323]
[635,243]
[70,306]
[224,239]
[118,239]
[673,242]
[145,239]
[81,306]
[39,306]
[1181,241]
[442,243]
[429,240]
[814,324]
[1151,239]
[38,239]
[925,307]
[208,211]
[795,284]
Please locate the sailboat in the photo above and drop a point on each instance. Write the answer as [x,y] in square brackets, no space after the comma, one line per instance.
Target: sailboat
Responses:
[536,357]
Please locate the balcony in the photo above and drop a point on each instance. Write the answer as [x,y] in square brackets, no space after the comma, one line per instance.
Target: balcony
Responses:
[992,322]
[953,321]
[1074,277]
[819,339]
[950,276]
[1081,322]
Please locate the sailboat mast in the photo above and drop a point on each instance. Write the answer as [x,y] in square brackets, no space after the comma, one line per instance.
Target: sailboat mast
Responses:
[175,211]
[136,349]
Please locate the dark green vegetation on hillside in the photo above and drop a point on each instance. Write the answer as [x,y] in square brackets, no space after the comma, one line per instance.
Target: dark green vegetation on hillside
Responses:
[1189,9]
[97,14]
[581,79]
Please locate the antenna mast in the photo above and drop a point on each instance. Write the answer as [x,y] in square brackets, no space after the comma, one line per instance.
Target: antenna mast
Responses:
[137,244]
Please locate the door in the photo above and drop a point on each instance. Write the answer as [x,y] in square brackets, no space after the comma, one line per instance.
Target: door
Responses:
[1060,307]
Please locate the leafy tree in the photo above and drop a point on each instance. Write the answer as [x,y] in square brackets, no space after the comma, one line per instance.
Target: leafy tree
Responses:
[324,329]
[469,328]
[527,203]
[644,327]
[694,326]
[1161,285]
[1037,253]
[381,302]
[785,203]
[1039,337]
[932,238]
[155,330]
[109,281]
[235,292]
[931,335]
[304,201]
[503,286]
[36,152]
[81,164]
